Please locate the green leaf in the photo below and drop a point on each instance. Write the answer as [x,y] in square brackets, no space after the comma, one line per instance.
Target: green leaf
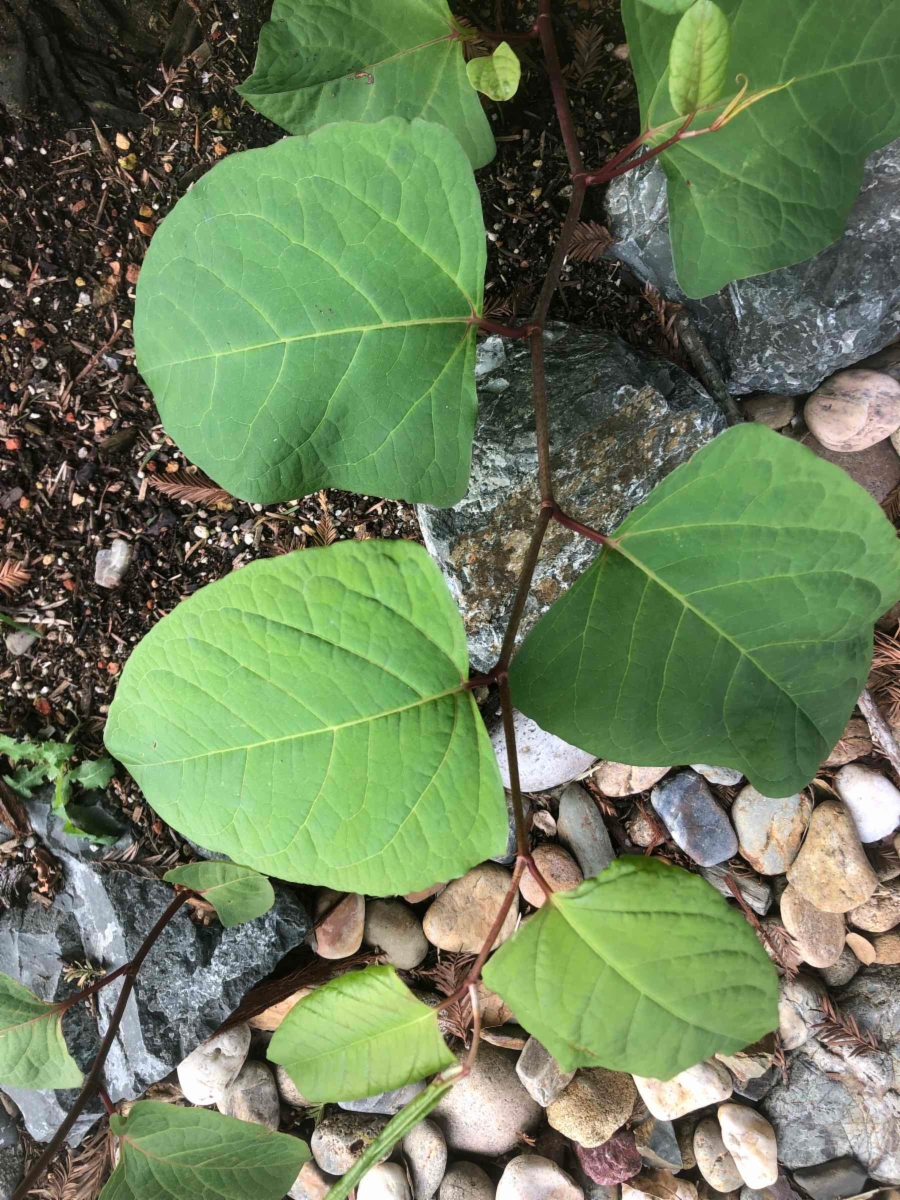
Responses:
[93,774]
[33,1051]
[238,894]
[698,57]
[359,1035]
[730,623]
[669,6]
[497,74]
[350,60]
[775,185]
[195,1154]
[304,315]
[48,761]
[306,716]
[643,969]
[395,1130]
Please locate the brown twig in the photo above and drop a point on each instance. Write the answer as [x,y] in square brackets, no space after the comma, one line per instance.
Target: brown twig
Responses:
[838,1031]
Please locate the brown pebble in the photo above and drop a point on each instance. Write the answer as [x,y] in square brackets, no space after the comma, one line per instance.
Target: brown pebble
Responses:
[558,868]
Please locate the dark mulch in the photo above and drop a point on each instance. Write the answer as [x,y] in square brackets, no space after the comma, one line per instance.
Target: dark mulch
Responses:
[80,439]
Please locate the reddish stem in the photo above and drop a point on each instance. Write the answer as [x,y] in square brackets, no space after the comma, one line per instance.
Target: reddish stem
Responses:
[485,325]
[616,165]
[595,535]
[558,88]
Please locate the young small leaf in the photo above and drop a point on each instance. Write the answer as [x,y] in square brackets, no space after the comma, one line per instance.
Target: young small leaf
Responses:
[307,717]
[643,969]
[497,74]
[729,622]
[95,773]
[359,1035]
[33,1051]
[237,894]
[352,60]
[698,57]
[305,315]
[189,1153]
[395,1130]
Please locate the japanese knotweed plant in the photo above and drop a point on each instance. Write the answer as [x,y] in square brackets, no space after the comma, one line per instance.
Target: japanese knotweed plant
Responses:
[307,317]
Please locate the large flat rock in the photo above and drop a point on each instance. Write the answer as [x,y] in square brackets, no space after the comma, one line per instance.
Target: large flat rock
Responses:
[619,423]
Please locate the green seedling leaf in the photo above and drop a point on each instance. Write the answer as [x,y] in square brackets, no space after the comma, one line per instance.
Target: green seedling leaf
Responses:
[775,185]
[350,60]
[192,1153]
[497,74]
[698,57]
[731,621]
[395,1130]
[304,315]
[94,774]
[359,1035]
[33,1051]
[238,894]
[48,763]
[643,969]
[306,716]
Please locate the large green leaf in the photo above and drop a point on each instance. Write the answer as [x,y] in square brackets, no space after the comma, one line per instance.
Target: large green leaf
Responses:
[359,1035]
[195,1154]
[306,717]
[644,969]
[775,185]
[33,1051]
[352,60]
[237,894]
[304,315]
[730,623]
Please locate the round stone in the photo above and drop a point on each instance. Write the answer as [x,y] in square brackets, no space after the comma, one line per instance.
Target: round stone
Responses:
[395,930]
[461,917]
[531,1177]
[770,830]
[559,869]
[485,1112]
[853,410]
[819,935]
[714,1160]
[872,799]
[594,1105]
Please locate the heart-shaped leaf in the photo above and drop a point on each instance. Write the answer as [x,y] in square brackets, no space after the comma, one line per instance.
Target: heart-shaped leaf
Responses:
[352,60]
[731,621]
[307,716]
[497,74]
[644,969]
[698,57]
[195,1154]
[304,315]
[775,185]
[33,1051]
[359,1035]
[237,894]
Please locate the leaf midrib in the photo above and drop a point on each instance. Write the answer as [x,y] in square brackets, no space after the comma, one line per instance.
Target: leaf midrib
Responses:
[419,1019]
[291,737]
[717,629]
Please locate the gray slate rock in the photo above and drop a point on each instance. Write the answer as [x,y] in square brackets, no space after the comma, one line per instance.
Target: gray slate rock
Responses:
[695,819]
[832,1180]
[787,330]
[540,1073]
[12,1156]
[193,979]
[827,1110]
[581,830]
[658,1145]
[619,423]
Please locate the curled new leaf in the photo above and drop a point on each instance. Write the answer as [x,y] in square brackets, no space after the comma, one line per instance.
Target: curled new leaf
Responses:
[306,315]
[698,57]
[643,969]
[188,1153]
[352,60]
[730,620]
[237,894]
[497,74]
[33,1051]
[359,1035]
[307,717]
